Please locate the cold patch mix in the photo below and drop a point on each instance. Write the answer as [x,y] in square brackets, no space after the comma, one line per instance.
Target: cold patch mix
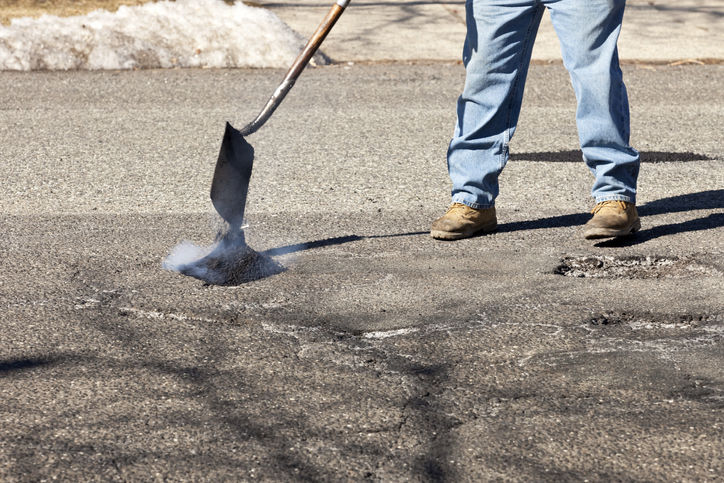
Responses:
[228,261]
[635,266]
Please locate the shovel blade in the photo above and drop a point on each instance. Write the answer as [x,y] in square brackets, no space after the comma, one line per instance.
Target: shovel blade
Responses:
[231,177]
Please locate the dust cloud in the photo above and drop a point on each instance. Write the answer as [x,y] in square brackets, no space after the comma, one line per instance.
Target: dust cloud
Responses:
[227,261]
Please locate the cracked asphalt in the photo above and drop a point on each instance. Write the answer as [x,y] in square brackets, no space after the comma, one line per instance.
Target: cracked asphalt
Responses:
[378,353]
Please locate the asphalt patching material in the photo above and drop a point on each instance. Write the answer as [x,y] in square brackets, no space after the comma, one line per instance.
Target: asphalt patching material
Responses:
[637,266]
[228,261]
[644,321]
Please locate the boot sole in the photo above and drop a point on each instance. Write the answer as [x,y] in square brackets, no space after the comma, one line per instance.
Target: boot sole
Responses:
[594,233]
[448,235]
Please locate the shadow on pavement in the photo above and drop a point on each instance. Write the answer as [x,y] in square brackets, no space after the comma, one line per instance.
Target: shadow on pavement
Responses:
[240,405]
[703,200]
[715,220]
[575,156]
[11,365]
[550,222]
[339,240]
[298,247]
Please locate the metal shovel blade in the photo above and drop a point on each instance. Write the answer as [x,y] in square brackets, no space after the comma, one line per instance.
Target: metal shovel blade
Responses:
[233,169]
[231,177]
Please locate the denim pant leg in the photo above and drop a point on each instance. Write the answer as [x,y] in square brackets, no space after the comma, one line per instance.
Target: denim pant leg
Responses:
[588,32]
[498,46]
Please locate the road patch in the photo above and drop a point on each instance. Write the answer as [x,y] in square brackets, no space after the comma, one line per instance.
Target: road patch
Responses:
[634,266]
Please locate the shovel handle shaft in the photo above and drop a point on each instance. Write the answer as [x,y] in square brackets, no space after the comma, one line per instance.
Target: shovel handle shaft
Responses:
[297,66]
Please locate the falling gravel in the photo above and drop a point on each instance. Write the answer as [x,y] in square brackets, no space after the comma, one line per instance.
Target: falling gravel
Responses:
[228,261]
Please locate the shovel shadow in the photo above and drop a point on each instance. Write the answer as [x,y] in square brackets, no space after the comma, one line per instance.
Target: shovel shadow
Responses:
[298,247]
[232,267]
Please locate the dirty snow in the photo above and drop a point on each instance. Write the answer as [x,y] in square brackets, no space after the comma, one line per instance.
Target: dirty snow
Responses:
[184,33]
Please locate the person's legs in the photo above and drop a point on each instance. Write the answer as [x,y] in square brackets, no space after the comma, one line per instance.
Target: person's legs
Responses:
[498,46]
[588,32]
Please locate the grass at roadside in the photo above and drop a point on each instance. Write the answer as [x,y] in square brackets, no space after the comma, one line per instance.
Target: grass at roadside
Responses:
[64,8]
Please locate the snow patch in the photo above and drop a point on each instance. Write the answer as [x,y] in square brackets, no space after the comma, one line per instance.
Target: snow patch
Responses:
[184,33]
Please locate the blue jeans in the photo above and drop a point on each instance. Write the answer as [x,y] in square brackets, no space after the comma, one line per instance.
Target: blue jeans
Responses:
[498,46]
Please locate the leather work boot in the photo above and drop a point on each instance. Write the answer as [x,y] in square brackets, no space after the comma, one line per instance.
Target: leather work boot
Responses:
[461,221]
[611,219]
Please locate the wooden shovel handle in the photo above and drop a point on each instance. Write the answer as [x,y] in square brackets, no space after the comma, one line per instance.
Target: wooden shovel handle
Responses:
[316,39]
[297,66]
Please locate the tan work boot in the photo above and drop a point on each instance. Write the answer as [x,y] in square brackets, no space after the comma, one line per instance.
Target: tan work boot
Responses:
[611,219]
[461,221]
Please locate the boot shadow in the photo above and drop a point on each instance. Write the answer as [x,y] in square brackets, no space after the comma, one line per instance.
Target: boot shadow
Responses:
[703,200]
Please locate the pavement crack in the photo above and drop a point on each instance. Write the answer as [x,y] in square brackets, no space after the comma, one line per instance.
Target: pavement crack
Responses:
[154,314]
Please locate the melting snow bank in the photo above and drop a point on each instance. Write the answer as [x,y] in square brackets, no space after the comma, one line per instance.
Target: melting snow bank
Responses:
[184,33]
[225,262]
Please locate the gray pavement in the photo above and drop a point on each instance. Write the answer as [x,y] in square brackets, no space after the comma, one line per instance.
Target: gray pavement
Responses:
[378,353]
[658,31]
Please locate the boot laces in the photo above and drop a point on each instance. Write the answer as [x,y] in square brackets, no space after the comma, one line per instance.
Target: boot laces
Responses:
[617,205]
[459,209]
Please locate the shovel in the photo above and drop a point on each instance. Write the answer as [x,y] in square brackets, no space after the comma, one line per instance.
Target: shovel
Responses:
[233,168]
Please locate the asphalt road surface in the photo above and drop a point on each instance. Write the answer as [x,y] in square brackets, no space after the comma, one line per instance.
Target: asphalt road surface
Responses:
[378,353]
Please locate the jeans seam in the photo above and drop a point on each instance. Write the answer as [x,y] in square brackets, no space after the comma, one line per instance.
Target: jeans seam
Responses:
[622,112]
[504,152]
[513,92]
[472,204]
[601,199]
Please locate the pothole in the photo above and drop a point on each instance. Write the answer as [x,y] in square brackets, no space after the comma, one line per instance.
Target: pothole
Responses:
[635,266]
[658,321]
